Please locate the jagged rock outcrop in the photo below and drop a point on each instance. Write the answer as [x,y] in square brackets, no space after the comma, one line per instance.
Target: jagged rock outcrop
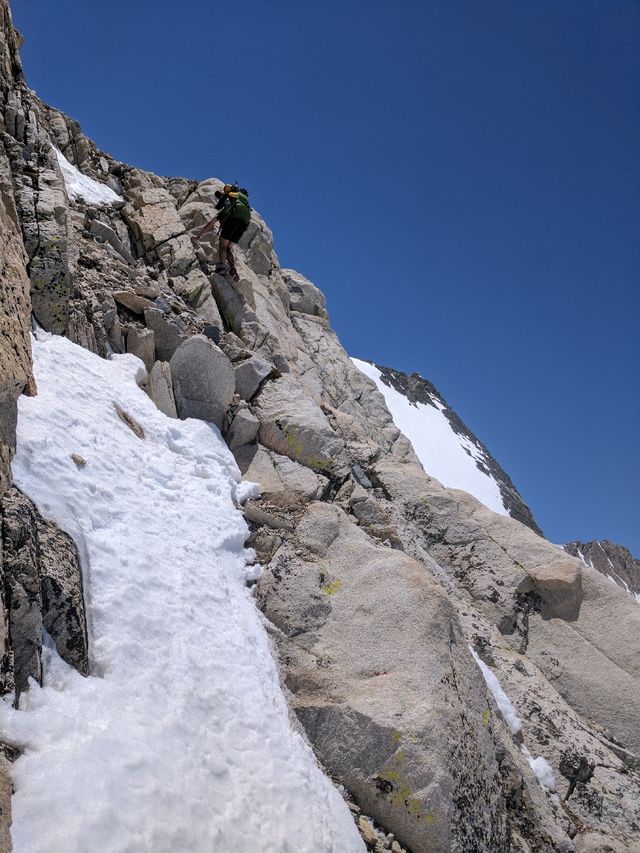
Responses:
[42,583]
[613,561]
[376,579]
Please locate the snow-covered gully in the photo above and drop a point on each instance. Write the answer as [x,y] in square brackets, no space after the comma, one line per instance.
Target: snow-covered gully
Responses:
[181,739]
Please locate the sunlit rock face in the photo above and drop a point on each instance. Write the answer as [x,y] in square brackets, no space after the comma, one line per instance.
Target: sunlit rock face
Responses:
[392,544]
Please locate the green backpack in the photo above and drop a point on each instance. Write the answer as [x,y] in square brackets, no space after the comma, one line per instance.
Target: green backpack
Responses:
[240,208]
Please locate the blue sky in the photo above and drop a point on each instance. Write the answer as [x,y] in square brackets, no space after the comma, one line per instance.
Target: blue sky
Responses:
[460,177]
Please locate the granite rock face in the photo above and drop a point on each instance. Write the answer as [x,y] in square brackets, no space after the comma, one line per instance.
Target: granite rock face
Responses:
[377,580]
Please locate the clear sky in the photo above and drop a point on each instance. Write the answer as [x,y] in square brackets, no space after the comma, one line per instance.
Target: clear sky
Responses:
[460,177]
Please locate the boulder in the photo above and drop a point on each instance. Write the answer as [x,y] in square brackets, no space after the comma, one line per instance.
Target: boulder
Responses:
[63,613]
[243,430]
[160,388]
[282,481]
[250,375]
[195,289]
[169,332]
[132,301]
[141,342]
[158,229]
[292,424]
[80,330]
[304,296]
[257,243]
[203,380]
[105,232]
[153,217]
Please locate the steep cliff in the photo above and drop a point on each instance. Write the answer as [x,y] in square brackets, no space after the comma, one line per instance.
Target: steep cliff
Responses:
[472,686]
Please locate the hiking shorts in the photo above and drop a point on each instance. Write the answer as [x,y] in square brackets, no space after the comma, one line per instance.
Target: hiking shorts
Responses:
[233,229]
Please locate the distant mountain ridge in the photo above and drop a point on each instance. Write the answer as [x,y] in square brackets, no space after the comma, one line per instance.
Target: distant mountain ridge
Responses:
[417,389]
[614,561]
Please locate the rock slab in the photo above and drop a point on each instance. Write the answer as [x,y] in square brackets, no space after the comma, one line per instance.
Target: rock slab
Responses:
[203,380]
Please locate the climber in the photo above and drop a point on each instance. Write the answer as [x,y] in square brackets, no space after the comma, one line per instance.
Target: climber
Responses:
[234,214]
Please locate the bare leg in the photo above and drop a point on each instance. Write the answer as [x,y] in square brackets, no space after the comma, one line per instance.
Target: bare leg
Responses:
[223,248]
[232,265]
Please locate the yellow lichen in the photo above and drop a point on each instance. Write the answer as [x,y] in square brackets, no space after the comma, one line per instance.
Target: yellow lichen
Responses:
[331,588]
[400,793]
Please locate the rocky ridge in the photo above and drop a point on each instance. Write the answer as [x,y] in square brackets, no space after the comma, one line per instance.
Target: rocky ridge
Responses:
[377,580]
[417,389]
[613,561]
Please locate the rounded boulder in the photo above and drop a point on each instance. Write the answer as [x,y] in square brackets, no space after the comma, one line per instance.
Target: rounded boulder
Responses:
[203,380]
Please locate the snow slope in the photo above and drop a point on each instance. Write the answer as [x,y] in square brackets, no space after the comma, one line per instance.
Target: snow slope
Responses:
[82,186]
[444,454]
[180,741]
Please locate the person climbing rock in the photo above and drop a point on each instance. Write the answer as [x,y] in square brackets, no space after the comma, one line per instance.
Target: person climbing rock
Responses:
[234,215]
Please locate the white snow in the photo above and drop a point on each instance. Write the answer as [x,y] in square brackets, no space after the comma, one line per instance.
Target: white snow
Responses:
[588,564]
[445,455]
[82,186]
[180,741]
[502,700]
[540,765]
[542,769]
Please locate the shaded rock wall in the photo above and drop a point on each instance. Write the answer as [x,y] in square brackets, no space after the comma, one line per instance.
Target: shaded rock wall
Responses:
[42,584]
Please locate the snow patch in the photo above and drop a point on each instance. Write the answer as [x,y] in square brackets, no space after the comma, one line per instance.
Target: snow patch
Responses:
[542,769]
[246,491]
[181,739]
[586,563]
[502,700]
[540,765]
[82,186]
[445,455]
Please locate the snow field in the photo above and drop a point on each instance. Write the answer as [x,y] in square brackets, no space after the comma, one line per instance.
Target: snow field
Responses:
[79,185]
[180,741]
[448,457]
